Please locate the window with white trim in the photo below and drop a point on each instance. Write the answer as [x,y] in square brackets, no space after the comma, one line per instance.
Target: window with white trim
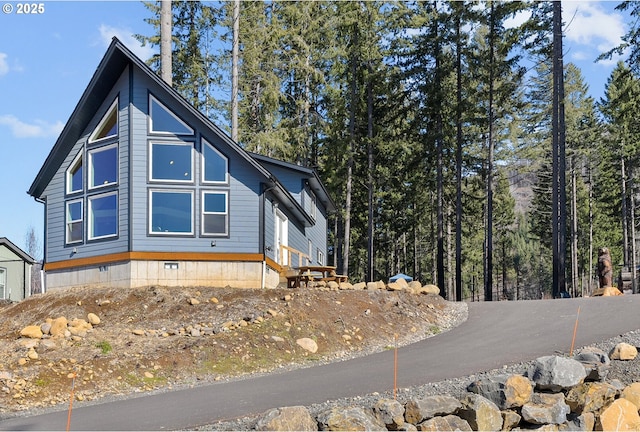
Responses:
[74,222]
[163,121]
[320,257]
[170,212]
[3,283]
[311,203]
[171,162]
[215,213]
[103,166]
[103,215]
[108,126]
[215,165]
[74,179]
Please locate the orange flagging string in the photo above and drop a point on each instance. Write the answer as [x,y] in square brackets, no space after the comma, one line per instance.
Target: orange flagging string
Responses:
[575,330]
[395,366]
[73,382]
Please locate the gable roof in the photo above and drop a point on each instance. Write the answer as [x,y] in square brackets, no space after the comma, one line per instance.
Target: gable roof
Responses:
[16,250]
[309,174]
[115,60]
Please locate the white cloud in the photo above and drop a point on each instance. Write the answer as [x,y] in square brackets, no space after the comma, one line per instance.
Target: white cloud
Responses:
[37,129]
[4,66]
[126,37]
[588,23]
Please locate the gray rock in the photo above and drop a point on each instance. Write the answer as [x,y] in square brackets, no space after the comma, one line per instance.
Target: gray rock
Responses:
[480,413]
[418,410]
[296,418]
[556,373]
[506,391]
[390,412]
[583,422]
[447,423]
[349,418]
[546,408]
[595,361]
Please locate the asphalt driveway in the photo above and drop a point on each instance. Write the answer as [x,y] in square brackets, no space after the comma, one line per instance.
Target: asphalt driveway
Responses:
[496,333]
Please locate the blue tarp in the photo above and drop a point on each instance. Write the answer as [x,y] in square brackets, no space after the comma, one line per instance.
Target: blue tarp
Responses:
[400,276]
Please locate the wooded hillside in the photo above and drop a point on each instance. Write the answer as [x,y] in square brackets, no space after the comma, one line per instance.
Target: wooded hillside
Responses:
[423,118]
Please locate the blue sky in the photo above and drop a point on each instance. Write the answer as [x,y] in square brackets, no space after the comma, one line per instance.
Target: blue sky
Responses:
[47,59]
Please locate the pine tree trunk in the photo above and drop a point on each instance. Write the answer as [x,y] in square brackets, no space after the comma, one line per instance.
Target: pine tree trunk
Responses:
[234,70]
[165,41]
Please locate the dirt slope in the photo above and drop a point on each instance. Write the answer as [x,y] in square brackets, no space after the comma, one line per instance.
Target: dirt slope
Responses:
[158,338]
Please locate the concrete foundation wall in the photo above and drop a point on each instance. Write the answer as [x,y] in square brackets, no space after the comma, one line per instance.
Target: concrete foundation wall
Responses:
[133,274]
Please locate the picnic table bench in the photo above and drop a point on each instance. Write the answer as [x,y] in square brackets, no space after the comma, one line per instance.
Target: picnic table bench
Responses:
[310,273]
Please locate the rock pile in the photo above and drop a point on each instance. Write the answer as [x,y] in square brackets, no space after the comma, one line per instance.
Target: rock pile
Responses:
[555,394]
[414,287]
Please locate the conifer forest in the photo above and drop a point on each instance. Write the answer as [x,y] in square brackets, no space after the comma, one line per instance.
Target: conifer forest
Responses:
[458,146]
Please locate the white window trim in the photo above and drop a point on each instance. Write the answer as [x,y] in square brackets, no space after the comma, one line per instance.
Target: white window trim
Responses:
[150,213]
[67,221]
[69,176]
[90,154]
[3,284]
[226,227]
[313,204]
[172,143]
[175,116]
[203,162]
[90,212]
[113,106]
[320,257]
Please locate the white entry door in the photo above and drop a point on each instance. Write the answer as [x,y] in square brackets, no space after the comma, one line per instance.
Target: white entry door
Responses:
[282,238]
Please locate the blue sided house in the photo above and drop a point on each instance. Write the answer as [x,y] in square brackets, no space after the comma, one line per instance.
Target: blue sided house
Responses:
[142,189]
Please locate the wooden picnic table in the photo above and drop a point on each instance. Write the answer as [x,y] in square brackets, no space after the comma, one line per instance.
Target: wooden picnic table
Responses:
[310,273]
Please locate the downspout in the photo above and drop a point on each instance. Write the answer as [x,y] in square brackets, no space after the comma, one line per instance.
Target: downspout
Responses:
[262,240]
[43,288]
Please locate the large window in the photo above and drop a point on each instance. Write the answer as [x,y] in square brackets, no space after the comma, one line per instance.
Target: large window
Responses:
[171,162]
[103,166]
[215,214]
[215,164]
[163,121]
[74,175]
[74,221]
[108,126]
[103,216]
[171,212]
[311,204]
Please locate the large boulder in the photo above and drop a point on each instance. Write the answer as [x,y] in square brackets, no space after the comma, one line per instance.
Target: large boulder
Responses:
[506,391]
[480,413]
[296,418]
[308,344]
[418,410]
[430,289]
[390,412]
[32,331]
[623,351]
[595,361]
[351,418]
[556,373]
[58,327]
[446,423]
[632,394]
[545,408]
[590,397]
[621,415]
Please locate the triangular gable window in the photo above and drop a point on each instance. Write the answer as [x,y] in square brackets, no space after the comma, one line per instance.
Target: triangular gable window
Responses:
[163,121]
[108,126]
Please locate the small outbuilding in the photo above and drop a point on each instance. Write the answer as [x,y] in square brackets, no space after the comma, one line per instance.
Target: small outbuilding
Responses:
[15,271]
